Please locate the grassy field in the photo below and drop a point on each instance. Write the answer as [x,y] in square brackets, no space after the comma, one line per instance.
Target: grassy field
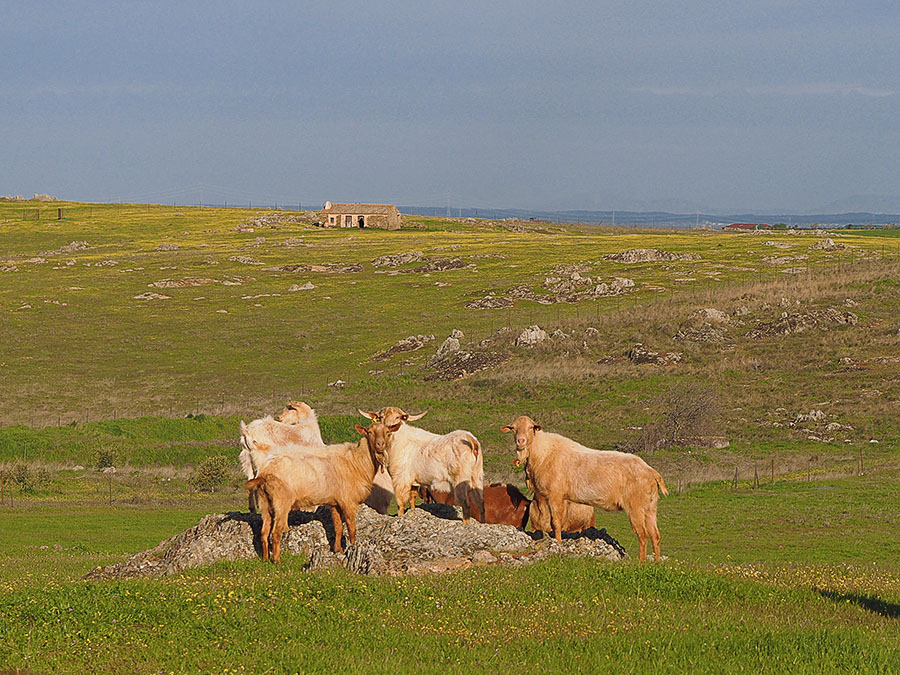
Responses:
[793,576]
[797,574]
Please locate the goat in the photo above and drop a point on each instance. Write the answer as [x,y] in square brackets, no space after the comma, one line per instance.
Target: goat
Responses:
[450,462]
[341,478]
[561,469]
[296,428]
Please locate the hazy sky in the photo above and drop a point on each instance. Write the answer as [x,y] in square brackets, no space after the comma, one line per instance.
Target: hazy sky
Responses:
[586,105]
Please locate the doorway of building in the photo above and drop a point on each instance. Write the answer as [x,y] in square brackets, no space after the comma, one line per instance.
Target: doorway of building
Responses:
[362,222]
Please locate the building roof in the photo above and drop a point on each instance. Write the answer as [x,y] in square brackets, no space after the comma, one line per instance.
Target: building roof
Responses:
[380,209]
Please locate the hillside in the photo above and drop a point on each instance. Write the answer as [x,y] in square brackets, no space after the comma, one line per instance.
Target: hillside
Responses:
[131,311]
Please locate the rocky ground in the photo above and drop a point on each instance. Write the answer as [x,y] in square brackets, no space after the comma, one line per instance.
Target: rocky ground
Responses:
[430,538]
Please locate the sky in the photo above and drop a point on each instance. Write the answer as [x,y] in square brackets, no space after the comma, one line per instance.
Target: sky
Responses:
[761,106]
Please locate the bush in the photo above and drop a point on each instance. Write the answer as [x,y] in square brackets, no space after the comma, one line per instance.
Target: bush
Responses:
[211,473]
[105,457]
[21,476]
[28,480]
[690,415]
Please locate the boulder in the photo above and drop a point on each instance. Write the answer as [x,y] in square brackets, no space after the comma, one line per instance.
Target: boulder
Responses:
[419,541]
[531,336]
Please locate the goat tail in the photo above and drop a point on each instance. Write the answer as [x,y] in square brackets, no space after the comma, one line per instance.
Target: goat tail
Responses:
[661,484]
[255,484]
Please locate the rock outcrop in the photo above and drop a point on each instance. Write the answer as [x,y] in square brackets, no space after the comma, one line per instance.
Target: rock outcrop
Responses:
[426,539]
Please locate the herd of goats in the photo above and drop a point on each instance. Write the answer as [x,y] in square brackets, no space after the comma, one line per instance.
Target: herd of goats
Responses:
[289,466]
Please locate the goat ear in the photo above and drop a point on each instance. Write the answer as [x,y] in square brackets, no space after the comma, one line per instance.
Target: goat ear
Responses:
[370,415]
[536,427]
[506,428]
[361,429]
[394,427]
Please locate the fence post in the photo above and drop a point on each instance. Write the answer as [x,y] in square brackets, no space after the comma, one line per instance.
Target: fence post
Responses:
[734,480]
[755,477]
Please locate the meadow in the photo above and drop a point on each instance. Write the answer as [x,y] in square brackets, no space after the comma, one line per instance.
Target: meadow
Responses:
[796,570]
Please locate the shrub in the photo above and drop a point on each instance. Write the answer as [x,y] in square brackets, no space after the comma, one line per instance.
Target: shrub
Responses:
[21,476]
[211,473]
[105,457]
[690,415]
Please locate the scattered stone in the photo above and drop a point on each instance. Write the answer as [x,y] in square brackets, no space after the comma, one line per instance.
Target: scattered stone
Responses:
[640,255]
[337,384]
[712,315]
[796,322]
[812,417]
[308,286]
[531,336]
[167,247]
[439,265]
[448,347]
[778,244]
[326,268]
[704,333]
[149,295]
[558,334]
[68,248]
[590,331]
[397,259]
[827,244]
[640,354]
[8,268]
[244,260]
[462,363]
[407,344]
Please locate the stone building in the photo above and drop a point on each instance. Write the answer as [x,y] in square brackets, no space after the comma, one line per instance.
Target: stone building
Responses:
[384,216]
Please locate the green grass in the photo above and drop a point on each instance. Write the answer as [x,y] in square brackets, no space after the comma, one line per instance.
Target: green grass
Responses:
[765,579]
[794,576]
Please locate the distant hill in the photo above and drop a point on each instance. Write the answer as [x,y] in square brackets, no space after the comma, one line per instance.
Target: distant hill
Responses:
[661,218]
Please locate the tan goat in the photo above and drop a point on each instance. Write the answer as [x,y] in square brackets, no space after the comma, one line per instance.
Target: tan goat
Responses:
[341,478]
[450,462]
[296,429]
[561,469]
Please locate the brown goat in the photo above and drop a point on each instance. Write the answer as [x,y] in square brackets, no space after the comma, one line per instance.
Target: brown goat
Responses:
[561,469]
[503,504]
[340,478]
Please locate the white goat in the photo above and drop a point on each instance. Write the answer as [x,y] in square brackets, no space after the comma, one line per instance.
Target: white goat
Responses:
[296,429]
[450,462]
